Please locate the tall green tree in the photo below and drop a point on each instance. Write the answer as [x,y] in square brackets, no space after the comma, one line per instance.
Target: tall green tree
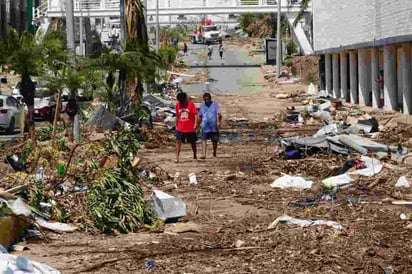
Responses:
[23,52]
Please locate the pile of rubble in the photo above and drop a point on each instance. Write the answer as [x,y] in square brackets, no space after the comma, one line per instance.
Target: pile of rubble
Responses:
[351,133]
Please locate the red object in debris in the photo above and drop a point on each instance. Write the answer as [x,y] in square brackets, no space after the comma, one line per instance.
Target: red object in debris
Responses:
[381,254]
[102,161]
[8,66]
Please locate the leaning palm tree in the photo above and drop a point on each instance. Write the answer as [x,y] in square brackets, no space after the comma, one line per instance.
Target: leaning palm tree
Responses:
[136,34]
[303,7]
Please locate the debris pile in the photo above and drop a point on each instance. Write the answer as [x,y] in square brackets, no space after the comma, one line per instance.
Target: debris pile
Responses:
[97,184]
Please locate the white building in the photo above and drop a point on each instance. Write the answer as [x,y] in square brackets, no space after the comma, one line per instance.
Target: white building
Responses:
[357,39]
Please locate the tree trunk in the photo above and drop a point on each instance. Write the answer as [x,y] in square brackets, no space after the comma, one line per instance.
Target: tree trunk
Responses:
[136,29]
[89,40]
[13,13]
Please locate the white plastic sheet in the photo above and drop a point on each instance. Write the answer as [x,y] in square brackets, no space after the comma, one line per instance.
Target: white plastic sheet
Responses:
[55,226]
[337,181]
[285,219]
[373,166]
[19,265]
[287,181]
[402,182]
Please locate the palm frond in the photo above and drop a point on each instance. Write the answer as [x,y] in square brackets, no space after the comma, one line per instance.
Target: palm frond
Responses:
[303,6]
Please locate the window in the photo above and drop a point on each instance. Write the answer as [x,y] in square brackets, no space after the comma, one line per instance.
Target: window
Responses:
[11,101]
[1,103]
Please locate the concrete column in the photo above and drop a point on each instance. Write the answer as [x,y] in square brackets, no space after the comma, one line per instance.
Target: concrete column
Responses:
[390,78]
[353,74]
[375,77]
[364,76]
[406,78]
[321,67]
[328,72]
[399,78]
[336,80]
[344,75]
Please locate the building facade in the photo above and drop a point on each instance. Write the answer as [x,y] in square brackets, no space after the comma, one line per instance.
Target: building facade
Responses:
[365,49]
[16,14]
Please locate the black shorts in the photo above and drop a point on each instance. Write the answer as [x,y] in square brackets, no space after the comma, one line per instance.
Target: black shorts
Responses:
[213,136]
[186,137]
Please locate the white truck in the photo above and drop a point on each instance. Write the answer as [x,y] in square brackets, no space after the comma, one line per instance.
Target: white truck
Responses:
[207,34]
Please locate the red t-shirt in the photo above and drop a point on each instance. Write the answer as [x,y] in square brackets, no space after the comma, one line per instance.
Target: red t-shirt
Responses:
[186,117]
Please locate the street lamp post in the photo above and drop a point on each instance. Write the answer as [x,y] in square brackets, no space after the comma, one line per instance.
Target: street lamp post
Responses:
[278,44]
[70,25]
[157,26]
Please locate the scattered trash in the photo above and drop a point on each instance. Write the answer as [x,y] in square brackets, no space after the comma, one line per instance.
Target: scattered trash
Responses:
[55,226]
[336,182]
[372,166]
[192,179]
[404,216]
[309,202]
[186,227]
[104,119]
[166,206]
[16,162]
[293,154]
[402,182]
[19,247]
[287,181]
[17,264]
[149,264]
[350,164]
[354,200]
[238,122]
[285,219]
[239,243]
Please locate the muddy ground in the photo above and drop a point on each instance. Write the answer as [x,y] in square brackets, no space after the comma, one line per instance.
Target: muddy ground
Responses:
[233,204]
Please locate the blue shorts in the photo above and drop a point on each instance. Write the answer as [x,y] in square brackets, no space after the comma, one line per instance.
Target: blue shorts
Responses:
[213,136]
[186,137]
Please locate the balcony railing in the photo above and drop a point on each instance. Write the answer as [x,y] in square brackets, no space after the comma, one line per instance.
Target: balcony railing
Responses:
[59,5]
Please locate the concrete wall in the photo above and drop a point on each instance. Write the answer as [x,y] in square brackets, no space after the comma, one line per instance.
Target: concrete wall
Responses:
[350,22]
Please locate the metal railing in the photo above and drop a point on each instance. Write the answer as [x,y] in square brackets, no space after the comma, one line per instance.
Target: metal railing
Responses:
[111,8]
[59,5]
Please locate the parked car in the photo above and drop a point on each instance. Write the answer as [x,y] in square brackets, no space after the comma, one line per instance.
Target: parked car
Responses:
[11,113]
[44,105]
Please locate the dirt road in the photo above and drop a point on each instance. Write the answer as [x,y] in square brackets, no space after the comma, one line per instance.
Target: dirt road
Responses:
[232,206]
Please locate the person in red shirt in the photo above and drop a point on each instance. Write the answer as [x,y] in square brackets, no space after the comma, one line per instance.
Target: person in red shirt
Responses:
[186,121]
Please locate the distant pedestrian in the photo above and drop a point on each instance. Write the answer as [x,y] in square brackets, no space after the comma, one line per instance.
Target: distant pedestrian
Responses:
[221,49]
[184,48]
[209,51]
[210,119]
[27,91]
[186,121]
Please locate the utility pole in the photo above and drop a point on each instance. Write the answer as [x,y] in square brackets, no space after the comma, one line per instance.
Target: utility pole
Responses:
[71,46]
[81,33]
[278,44]
[70,25]
[157,27]
[145,11]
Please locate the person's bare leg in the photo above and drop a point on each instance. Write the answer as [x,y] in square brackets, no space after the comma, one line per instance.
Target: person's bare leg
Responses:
[204,149]
[194,149]
[214,149]
[178,149]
